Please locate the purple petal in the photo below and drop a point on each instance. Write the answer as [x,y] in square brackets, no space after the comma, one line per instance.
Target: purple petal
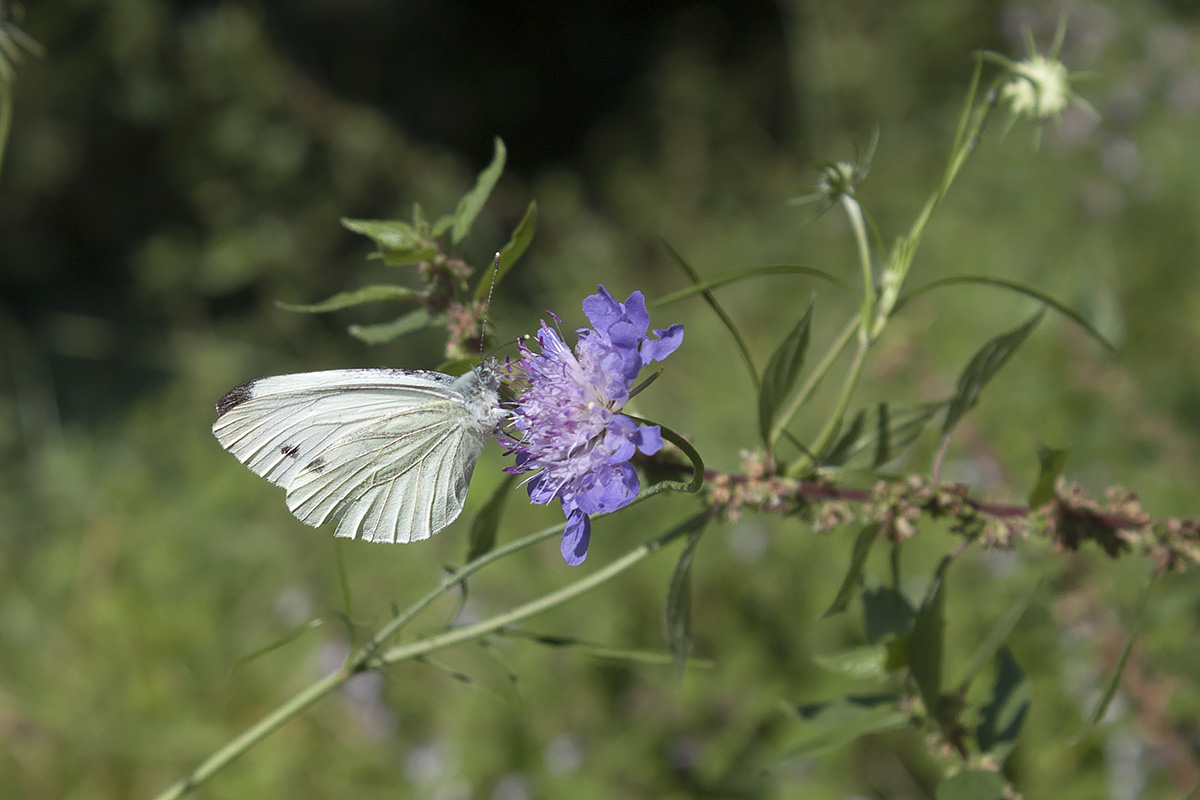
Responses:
[648,439]
[575,538]
[636,313]
[602,310]
[668,342]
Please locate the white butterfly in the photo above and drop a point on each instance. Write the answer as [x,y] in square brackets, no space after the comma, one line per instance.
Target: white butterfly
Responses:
[386,452]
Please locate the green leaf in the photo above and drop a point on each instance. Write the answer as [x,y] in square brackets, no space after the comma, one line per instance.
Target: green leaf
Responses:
[780,376]
[473,201]
[840,450]
[1019,288]
[483,528]
[887,614]
[996,638]
[678,616]
[1002,717]
[411,322]
[972,784]
[655,658]
[518,243]
[925,647]
[368,294]
[294,634]
[858,559]
[838,722]
[1050,466]
[748,273]
[982,368]
[1114,682]
[398,242]
[868,662]
[726,320]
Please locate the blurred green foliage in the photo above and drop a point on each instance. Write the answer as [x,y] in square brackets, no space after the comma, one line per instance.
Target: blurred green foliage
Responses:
[174,169]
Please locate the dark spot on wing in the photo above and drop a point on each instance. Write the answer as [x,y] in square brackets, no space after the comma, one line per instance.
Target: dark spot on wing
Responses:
[235,396]
[317,465]
[290,450]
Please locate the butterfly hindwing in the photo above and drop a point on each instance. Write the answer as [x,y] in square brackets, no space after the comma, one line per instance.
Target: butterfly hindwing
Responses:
[389,453]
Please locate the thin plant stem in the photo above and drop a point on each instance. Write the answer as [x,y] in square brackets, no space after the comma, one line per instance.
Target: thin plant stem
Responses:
[863,244]
[409,650]
[366,659]
[839,411]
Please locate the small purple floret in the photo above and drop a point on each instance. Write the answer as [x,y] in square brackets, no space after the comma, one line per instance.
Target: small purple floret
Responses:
[567,429]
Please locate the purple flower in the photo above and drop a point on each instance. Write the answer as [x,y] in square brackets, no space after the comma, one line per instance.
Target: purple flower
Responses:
[566,427]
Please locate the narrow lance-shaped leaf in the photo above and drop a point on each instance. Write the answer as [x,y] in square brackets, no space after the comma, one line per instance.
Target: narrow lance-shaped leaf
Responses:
[482,537]
[858,560]
[1114,682]
[983,367]
[1050,466]
[838,722]
[780,376]
[377,293]
[473,201]
[1004,714]
[522,235]
[887,613]
[996,638]
[1019,288]
[868,662]
[411,322]
[747,273]
[926,646]
[726,320]
[846,443]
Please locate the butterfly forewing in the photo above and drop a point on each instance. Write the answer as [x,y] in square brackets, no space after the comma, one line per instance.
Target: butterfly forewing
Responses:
[388,453]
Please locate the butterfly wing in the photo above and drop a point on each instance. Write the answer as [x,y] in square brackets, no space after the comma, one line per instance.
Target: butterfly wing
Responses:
[388,453]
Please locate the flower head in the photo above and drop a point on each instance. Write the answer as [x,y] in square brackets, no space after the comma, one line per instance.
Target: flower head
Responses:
[567,429]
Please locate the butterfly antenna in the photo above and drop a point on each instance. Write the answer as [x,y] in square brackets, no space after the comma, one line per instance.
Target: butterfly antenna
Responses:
[487,304]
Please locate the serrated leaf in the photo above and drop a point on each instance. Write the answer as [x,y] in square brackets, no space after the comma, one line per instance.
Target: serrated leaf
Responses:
[411,322]
[926,645]
[517,244]
[780,375]
[996,638]
[983,367]
[398,242]
[858,560]
[473,201]
[868,662]
[1002,717]
[1114,682]
[841,721]
[972,784]
[678,613]
[1050,466]
[887,614]
[377,293]
[482,537]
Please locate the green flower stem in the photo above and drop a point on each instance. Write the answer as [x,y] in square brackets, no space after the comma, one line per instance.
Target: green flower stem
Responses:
[452,580]
[855,215]
[423,647]
[366,659]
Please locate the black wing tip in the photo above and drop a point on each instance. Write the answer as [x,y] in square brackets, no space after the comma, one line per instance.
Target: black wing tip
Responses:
[235,397]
